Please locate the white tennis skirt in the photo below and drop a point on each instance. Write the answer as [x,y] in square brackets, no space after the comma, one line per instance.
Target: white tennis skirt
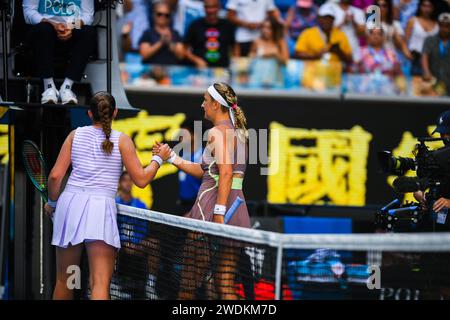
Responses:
[85,214]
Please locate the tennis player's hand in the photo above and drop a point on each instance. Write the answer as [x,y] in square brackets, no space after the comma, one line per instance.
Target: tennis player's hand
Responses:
[164,151]
[48,210]
[218,218]
[440,204]
[155,149]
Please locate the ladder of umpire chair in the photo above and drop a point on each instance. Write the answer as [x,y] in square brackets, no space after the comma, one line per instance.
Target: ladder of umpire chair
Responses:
[96,71]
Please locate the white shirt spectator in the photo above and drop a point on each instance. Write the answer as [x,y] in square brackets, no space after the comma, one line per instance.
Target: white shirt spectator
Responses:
[187,11]
[36,10]
[418,36]
[390,30]
[348,28]
[251,11]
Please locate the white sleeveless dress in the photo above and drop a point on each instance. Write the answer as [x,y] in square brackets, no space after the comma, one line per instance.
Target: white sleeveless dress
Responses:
[86,210]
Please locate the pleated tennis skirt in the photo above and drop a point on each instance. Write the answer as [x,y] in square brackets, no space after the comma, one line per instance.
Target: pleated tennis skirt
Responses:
[85,214]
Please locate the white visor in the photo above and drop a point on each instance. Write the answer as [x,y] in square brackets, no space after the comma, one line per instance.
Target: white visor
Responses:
[216,96]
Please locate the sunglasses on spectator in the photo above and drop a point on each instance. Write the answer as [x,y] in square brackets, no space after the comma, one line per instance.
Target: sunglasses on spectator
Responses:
[163,14]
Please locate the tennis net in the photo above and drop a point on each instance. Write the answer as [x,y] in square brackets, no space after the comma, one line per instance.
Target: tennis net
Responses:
[170,257]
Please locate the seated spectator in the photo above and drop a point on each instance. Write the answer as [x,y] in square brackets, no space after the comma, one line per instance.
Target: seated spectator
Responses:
[351,21]
[324,40]
[418,29]
[124,195]
[161,44]
[186,11]
[248,17]
[299,17]
[376,57]
[133,24]
[149,5]
[67,26]
[404,10]
[271,44]
[436,54]
[209,41]
[392,29]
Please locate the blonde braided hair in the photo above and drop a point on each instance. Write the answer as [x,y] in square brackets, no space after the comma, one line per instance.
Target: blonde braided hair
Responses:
[230,97]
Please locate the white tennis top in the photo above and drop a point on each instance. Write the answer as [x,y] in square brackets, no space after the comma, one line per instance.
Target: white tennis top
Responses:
[91,167]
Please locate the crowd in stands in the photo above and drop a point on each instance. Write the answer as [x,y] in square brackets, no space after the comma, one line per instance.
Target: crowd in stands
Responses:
[209,33]
[387,37]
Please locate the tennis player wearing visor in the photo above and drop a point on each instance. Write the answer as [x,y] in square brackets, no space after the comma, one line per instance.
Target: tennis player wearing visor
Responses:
[222,172]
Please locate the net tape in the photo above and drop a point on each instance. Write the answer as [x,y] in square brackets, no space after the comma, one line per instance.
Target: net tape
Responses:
[171,257]
[393,242]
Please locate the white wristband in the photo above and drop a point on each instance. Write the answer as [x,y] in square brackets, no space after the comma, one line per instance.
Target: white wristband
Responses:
[172,158]
[158,159]
[52,203]
[220,209]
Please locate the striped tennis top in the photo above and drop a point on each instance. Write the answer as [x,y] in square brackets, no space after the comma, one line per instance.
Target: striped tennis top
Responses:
[91,167]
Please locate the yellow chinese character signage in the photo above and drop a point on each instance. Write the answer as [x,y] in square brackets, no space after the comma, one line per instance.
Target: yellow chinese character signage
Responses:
[4,157]
[318,166]
[145,129]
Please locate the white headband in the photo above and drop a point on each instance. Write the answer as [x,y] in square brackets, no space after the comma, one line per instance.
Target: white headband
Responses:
[216,96]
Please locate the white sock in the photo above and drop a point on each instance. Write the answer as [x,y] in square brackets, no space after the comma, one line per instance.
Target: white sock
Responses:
[49,83]
[67,84]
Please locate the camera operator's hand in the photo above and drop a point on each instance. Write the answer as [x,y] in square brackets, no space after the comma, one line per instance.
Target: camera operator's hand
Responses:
[441,203]
[420,196]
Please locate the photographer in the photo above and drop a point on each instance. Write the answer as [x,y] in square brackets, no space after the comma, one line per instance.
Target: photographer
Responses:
[443,127]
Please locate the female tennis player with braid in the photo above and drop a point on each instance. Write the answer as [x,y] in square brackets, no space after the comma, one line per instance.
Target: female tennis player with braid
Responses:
[84,214]
[222,173]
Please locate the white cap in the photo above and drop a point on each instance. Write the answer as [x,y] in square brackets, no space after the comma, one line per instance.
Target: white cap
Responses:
[326,10]
[444,17]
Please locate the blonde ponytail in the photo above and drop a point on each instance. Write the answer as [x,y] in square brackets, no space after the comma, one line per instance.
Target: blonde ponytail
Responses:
[241,123]
[230,97]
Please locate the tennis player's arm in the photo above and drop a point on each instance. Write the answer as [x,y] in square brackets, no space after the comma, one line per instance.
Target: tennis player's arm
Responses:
[140,176]
[59,170]
[191,168]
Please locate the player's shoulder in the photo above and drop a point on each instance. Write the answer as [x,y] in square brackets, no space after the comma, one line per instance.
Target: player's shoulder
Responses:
[124,140]
[219,129]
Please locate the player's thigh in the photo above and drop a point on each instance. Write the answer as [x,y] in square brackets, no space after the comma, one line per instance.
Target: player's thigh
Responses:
[66,258]
[101,258]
